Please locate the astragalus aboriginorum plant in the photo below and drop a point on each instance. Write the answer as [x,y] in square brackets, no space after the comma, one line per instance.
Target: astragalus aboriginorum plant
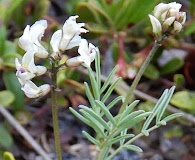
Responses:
[110,130]
[62,40]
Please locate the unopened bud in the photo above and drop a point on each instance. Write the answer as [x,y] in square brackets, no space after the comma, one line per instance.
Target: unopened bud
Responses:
[160,9]
[73,62]
[177,27]
[156,25]
[168,22]
[181,17]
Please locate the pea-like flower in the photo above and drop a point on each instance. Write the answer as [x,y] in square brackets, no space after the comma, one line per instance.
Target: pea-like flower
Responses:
[31,38]
[67,37]
[167,19]
[87,55]
[32,91]
[26,69]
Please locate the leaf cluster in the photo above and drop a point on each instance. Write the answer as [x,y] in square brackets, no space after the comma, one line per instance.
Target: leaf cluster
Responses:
[111,129]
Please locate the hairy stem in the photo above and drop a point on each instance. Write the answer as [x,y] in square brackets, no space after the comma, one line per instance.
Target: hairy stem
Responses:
[55,113]
[129,96]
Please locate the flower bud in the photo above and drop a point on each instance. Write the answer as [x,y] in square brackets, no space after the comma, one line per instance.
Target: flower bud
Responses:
[160,9]
[156,25]
[177,27]
[74,62]
[168,22]
[167,19]
[181,17]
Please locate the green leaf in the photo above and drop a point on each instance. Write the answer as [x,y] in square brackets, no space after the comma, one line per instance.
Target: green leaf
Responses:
[132,147]
[90,138]
[119,138]
[179,80]
[172,66]
[93,83]
[115,101]
[79,116]
[97,28]
[12,84]
[6,98]
[133,121]
[164,105]
[8,156]
[106,112]
[155,110]
[98,69]
[3,34]
[128,118]
[128,109]
[6,139]
[172,116]
[89,95]
[151,72]
[133,11]
[184,100]
[189,29]
[110,89]
[108,80]
[12,7]
[96,116]
[93,123]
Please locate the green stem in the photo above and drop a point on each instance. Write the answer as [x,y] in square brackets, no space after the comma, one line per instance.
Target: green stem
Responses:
[105,148]
[55,112]
[131,141]
[103,153]
[129,95]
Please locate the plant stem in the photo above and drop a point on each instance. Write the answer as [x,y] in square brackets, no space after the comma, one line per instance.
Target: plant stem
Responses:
[129,95]
[103,153]
[131,141]
[55,113]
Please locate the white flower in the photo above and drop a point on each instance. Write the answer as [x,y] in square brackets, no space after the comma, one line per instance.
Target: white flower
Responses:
[67,37]
[167,18]
[27,69]
[87,55]
[31,38]
[32,91]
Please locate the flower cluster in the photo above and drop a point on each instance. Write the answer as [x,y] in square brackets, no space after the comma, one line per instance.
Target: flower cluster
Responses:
[167,19]
[62,40]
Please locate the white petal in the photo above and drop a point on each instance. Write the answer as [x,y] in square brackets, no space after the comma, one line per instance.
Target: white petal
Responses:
[156,25]
[175,5]
[25,40]
[17,64]
[28,61]
[70,32]
[160,9]
[83,49]
[55,40]
[75,41]
[31,90]
[74,62]
[177,26]
[41,70]
[168,22]
[87,52]
[24,75]
[44,89]
[37,30]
